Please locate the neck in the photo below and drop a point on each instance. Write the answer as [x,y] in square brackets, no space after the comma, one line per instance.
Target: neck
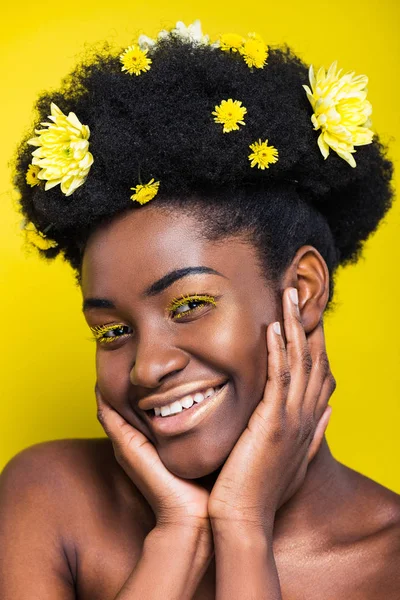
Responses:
[315,508]
[310,511]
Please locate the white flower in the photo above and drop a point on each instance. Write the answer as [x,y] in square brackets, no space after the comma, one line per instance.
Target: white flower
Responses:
[145,42]
[191,33]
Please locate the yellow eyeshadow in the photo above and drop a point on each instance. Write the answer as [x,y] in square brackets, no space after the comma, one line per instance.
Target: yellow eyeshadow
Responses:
[185,299]
[99,331]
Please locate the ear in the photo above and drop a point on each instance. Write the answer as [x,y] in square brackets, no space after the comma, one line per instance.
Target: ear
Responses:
[309,274]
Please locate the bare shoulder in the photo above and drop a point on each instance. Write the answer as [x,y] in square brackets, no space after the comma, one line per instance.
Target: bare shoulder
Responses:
[67,507]
[377,550]
[68,469]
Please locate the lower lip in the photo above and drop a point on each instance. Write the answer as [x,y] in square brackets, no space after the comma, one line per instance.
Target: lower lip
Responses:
[189,417]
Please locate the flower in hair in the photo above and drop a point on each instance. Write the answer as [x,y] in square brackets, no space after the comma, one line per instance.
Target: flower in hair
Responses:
[63,151]
[134,60]
[191,34]
[262,155]
[254,51]
[341,111]
[145,192]
[37,238]
[32,173]
[230,113]
[231,42]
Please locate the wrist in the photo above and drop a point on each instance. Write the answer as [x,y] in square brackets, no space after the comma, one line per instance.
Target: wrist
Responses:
[241,530]
[197,539]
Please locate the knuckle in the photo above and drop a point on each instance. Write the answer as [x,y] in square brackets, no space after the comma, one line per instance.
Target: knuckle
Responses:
[100,416]
[306,361]
[307,428]
[322,362]
[284,377]
[277,432]
[332,383]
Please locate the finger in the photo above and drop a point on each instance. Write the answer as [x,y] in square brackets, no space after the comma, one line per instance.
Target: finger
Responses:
[298,354]
[325,396]
[319,433]
[278,374]
[134,452]
[316,393]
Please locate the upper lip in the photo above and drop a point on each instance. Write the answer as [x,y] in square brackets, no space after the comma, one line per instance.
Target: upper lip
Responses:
[177,394]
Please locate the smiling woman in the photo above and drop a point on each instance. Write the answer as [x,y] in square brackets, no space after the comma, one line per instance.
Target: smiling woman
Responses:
[205,291]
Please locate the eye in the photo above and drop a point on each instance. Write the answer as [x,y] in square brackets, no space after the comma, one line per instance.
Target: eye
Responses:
[110,333]
[185,305]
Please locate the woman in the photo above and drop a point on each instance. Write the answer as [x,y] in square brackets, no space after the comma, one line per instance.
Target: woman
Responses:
[205,291]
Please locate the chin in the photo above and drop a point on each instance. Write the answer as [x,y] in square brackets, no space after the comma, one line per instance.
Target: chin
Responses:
[194,468]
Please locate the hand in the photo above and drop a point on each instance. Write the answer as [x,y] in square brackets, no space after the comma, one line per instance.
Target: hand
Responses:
[269,462]
[175,502]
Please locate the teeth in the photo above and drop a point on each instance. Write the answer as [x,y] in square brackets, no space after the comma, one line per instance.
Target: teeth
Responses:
[165,410]
[198,397]
[175,407]
[186,402]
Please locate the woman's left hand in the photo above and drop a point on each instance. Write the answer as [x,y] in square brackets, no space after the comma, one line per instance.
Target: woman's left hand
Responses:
[269,461]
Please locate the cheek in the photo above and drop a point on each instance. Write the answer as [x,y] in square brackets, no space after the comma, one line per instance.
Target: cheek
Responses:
[241,344]
[113,377]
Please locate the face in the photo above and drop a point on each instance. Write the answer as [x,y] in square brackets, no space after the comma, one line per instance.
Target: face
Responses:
[176,315]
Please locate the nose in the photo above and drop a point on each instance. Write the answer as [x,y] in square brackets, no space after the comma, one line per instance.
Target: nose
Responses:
[155,360]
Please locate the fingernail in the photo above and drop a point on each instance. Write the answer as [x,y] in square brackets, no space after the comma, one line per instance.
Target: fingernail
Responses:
[277,327]
[294,296]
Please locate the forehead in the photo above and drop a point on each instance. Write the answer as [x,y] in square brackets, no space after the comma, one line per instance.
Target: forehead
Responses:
[145,244]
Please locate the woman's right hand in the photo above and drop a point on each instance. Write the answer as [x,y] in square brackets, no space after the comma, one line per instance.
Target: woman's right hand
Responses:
[176,502]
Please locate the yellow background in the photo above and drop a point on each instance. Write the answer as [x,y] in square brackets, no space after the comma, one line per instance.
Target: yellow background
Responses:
[47,363]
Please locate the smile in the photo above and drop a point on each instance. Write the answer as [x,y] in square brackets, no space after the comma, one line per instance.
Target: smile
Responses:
[178,419]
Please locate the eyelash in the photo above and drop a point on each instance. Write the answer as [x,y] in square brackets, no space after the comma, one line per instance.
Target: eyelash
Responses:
[99,331]
[185,299]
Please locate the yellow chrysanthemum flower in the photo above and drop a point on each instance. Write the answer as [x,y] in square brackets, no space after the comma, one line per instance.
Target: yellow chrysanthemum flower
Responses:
[37,238]
[254,51]
[146,192]
[230,113]
[63,151]
[32,175]
[263,155]
[230,42]
[135,61]
[341,111]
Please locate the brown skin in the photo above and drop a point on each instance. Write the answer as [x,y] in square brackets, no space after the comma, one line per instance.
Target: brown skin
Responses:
[337,536]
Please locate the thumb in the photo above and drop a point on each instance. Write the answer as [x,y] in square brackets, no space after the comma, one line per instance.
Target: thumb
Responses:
[133,450]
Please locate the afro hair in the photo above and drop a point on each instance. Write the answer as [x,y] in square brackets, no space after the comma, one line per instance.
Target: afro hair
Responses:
[160,125]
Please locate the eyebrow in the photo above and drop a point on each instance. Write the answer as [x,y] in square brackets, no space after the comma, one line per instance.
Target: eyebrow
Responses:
[155,288]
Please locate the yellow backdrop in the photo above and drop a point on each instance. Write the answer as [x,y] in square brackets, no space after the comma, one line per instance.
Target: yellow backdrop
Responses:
[47,366]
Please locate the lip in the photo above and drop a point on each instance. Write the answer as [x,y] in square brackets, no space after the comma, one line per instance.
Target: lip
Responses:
[188,418]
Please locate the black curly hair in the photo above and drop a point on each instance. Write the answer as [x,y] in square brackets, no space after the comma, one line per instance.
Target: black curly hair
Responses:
[160,125]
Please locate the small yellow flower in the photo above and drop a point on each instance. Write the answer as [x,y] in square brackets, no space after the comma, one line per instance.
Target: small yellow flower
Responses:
[254,51]
[37,238]
[63,151]
[263,155]
[146,192]
[32,175]
[135,60]
[341,111]
[230,113]
[230,42]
